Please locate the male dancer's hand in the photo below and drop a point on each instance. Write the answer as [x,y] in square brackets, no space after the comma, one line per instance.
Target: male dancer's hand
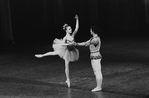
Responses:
[87,44]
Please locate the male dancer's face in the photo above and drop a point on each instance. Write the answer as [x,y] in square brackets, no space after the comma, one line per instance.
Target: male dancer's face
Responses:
[91,31]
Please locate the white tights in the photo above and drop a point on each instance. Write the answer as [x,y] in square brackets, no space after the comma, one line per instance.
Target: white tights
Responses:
[96,65]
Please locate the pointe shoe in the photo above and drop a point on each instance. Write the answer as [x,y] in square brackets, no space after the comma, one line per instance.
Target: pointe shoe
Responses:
[68,83]
[96,89]
[38,56]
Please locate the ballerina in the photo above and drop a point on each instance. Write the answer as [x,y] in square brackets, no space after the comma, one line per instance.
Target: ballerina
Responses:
[65,48]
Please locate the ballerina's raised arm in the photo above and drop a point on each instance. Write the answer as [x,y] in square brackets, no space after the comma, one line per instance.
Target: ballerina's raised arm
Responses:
[77,26]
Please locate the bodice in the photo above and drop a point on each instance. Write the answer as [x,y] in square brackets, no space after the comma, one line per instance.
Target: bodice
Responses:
[69,39]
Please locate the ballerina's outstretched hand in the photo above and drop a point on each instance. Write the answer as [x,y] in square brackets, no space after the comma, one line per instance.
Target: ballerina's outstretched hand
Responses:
[76,16]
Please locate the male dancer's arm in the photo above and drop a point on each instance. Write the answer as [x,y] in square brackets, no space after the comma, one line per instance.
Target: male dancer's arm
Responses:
[84,43]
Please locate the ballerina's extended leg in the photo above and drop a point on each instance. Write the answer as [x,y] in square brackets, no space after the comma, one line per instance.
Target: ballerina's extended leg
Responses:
[46,54]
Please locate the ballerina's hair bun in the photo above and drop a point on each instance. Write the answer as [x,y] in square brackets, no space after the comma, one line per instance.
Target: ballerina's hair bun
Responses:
[65,26]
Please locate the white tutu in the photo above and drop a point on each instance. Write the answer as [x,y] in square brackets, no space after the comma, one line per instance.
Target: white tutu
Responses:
[64,52]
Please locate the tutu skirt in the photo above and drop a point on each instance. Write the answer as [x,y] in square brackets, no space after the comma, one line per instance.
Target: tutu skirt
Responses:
[69,53]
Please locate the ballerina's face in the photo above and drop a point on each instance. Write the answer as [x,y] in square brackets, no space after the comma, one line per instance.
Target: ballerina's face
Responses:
[68,29]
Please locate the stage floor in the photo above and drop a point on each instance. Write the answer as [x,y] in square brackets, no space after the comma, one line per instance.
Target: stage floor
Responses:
[125,69]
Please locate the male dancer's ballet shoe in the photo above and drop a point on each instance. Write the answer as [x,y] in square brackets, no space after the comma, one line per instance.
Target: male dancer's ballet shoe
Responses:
[96,89]
[68,83]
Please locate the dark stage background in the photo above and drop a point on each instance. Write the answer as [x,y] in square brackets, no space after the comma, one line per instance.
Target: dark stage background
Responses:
[40,21]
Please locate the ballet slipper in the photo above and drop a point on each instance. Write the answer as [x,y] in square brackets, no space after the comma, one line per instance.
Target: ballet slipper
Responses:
[96,89]
[38,56]
[68,83]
